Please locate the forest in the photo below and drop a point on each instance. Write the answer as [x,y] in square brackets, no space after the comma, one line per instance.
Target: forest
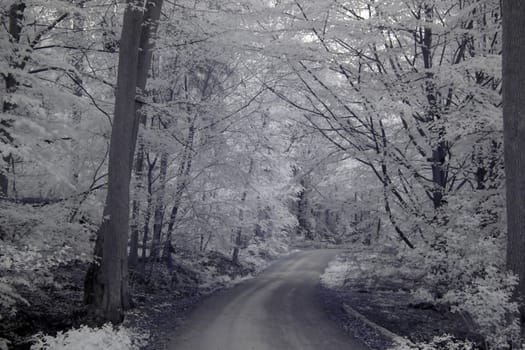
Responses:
[157,155]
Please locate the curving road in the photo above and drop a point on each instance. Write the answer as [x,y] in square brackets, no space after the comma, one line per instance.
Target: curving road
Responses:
[279,310]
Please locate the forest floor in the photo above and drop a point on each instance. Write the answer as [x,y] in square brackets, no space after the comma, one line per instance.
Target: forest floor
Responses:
[387,305]
[166,311]
[55,301]
[164,303]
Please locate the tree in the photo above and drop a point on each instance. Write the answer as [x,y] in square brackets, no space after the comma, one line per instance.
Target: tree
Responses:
[106,287]
[151,19]
[513,12]
[16,12]
[411,91]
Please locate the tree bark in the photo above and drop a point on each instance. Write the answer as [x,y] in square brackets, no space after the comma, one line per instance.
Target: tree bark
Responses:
[146,44]
[107,290]
[514,140]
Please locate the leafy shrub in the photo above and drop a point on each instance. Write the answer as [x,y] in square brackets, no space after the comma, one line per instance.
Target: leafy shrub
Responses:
[442,342]
[33,240]
[85,338]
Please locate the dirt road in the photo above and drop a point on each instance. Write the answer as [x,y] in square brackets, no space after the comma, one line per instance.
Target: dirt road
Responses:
[279,310]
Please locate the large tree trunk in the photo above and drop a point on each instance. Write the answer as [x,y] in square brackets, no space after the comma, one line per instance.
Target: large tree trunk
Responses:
[107,280]
[147,43]
[514,138]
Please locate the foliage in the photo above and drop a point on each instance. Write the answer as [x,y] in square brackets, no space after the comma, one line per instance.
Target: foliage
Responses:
[438,343]
[36,239]
[411,91]
[263,122]
[86,338]
[479,293]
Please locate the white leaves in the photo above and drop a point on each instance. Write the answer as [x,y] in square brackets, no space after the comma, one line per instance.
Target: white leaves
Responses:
[441,342]
[86,338]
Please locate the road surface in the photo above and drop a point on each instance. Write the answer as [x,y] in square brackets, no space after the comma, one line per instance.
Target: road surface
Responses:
[279,310]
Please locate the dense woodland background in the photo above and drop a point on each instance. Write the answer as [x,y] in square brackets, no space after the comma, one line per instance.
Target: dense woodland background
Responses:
[263,125]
